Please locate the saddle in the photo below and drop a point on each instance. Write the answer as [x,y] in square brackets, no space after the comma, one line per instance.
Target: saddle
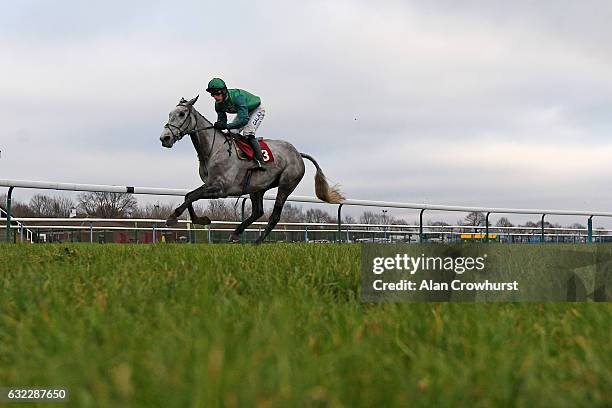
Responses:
[245,152]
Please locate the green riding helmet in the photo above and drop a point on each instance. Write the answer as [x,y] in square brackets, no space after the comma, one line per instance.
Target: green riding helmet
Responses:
[216,84]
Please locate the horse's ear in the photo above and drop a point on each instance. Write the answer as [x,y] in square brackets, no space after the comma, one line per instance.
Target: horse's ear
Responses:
[182,101]
[191,102]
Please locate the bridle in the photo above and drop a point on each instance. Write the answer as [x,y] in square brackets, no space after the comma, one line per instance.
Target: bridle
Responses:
[182,132]
[179,129]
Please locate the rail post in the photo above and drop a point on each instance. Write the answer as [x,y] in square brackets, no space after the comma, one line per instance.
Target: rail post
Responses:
[421,235]
[487,227]
[8,213]
[590,229]
[542,228]
[90,232]
[339,237]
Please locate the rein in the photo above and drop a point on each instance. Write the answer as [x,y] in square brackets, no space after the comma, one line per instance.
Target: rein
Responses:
[192,133]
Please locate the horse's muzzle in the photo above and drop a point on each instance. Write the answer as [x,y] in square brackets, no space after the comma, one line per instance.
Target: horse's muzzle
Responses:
[166,141]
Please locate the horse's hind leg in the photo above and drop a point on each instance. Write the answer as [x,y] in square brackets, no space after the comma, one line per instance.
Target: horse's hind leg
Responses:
[257,210]
[285,187]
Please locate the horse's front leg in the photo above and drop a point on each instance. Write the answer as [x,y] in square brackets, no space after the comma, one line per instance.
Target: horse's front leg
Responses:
[194,217]
[206,191]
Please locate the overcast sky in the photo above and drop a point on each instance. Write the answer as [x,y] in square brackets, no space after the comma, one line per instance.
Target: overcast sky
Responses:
[490,103]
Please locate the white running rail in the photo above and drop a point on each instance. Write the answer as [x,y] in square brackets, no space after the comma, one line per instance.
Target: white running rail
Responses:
[29,184]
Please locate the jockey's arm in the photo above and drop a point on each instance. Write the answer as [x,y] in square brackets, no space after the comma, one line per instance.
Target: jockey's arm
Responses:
[242,114]
[221,116]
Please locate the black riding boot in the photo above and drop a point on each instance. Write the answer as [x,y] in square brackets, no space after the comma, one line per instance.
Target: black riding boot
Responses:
[257,149]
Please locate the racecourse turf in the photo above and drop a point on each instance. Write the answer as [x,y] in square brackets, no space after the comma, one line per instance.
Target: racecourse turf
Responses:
[277,325]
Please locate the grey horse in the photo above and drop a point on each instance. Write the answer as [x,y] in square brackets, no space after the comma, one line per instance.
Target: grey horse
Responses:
[224,174]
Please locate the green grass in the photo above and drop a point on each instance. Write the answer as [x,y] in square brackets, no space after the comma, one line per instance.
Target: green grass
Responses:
[277,325]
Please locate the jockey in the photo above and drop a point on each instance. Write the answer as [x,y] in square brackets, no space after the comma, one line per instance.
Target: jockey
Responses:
[248,110]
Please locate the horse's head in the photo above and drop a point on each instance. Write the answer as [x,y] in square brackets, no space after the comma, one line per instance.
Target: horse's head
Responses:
[181,121]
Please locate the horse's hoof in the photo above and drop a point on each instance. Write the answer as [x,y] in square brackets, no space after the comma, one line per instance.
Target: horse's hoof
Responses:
[203,220]
[234,238]
[171,221]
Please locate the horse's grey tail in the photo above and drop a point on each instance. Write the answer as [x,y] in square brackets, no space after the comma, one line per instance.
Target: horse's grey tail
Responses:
[323,191]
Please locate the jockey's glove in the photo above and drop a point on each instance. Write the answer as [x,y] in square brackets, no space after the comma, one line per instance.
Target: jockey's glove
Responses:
[220,125]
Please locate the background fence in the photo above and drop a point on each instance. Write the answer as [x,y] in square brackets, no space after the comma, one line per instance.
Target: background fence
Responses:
[129,230]
[18,228]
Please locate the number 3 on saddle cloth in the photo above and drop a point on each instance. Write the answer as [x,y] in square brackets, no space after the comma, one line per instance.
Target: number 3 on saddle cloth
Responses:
[245,152]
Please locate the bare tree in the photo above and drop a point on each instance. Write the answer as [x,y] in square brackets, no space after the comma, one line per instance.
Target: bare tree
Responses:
[107,205]
[475,218]
[18,209]
[349,219]
[504,222]
[157,210]
[292,213]
[318,215]
[398,221]
[369,217]
[40,204]
[546,224]
[220,210]
[50,206]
